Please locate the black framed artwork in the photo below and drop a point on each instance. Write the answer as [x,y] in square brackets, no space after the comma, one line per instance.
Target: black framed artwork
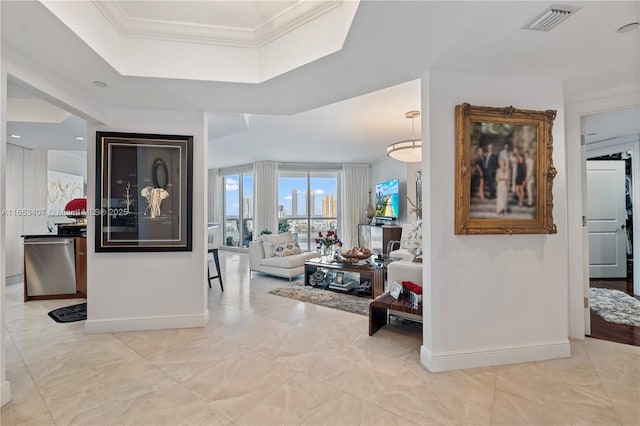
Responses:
[144,190]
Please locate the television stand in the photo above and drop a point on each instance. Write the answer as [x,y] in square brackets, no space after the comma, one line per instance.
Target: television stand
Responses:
[383,220]
[376,238]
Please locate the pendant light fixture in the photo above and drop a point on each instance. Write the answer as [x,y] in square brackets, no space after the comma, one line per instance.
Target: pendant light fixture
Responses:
[410,150]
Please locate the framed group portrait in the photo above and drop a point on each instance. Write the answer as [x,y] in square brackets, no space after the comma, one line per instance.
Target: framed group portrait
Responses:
[144,189]
[504,171]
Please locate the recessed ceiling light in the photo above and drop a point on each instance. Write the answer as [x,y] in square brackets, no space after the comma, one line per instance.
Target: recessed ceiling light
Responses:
[14,136]
[629,27]
[79,138]
[100,83]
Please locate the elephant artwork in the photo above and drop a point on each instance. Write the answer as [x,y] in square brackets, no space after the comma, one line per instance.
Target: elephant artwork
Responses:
[154,198]
[145,189]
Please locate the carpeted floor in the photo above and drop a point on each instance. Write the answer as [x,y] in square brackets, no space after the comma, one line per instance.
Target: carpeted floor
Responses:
[615,306]
[328,298]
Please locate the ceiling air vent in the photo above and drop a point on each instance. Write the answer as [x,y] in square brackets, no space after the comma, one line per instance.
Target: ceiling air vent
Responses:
[551,17]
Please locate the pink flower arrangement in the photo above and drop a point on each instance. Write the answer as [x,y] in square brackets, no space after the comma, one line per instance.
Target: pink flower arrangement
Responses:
[328,240]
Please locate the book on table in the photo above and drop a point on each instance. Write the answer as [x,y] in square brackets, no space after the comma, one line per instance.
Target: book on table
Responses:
[345,286]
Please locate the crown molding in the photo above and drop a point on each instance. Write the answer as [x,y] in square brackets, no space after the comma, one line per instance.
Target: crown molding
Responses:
[290,19]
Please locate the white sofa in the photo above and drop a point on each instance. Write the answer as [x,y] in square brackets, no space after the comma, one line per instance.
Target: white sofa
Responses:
[404,270]
[285,267]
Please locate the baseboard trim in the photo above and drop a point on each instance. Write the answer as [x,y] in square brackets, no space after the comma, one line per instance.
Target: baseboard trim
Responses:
[5,393]
[146,323]
[485,357]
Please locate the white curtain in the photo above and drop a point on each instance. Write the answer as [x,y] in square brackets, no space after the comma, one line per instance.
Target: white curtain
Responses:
[265,196]
[355,198]
[214,210]
[214,207]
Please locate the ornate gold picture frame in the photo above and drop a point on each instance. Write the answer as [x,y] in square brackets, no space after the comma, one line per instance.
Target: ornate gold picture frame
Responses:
[504,171]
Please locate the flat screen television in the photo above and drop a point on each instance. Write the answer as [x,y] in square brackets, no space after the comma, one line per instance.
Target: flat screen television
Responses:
[387,203]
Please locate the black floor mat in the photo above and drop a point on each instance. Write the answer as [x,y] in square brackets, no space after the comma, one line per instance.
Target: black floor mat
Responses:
[70,313]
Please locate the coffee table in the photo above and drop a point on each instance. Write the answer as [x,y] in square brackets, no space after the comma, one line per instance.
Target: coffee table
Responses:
[367,280]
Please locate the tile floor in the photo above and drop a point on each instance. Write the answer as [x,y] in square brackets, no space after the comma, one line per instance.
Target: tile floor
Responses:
[265,359]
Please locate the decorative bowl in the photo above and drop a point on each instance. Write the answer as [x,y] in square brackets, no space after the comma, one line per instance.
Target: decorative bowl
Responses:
[356,254]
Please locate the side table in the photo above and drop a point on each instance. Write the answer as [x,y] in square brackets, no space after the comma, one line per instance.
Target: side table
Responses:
[380,307]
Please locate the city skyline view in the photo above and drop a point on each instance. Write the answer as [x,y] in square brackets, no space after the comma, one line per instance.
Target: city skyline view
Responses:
[321,187]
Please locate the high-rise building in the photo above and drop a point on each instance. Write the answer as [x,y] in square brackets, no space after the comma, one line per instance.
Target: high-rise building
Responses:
[281,212]
[329,206]
[294,202]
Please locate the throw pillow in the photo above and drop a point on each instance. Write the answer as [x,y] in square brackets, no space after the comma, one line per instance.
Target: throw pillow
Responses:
[268,241]
[286,249]
[411,286]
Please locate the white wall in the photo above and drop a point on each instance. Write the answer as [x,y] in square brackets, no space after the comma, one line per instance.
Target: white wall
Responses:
[489,299]
[136,291]
[389,169]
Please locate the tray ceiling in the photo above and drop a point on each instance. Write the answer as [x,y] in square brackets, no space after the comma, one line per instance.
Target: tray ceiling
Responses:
[231,41]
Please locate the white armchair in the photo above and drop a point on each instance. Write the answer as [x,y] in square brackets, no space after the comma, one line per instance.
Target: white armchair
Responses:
[399,252]
[404,270]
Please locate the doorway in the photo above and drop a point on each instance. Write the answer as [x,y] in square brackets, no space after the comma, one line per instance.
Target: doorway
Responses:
[611,168]
[610,230]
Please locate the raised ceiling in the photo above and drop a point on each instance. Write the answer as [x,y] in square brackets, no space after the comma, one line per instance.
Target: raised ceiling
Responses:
[232,41]
[227,23]
[246,15]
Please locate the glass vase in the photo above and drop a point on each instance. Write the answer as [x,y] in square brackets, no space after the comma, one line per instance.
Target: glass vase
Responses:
[327,251]
[370,212]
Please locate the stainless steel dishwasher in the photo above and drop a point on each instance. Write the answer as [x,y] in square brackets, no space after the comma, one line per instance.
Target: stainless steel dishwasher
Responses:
[50,266]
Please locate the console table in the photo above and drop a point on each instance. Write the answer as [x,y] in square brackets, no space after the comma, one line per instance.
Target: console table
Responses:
[356,273]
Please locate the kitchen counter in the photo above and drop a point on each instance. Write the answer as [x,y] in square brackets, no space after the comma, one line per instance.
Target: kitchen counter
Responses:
[54,266]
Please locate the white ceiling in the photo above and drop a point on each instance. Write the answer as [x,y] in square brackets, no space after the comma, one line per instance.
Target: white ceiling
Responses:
[389,43]
[60,136]
[611,125]
[245,14]
[355,130]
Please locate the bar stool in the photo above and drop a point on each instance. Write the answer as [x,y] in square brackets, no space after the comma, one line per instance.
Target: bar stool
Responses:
[214,251]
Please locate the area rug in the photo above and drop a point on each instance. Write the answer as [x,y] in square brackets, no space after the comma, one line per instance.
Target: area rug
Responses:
[70,313]
[615,306]
[328,298]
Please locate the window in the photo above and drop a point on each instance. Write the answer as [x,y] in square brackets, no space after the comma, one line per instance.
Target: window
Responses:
[308,202]
[238,209]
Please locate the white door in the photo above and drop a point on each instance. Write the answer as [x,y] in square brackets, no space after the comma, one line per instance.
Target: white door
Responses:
[606,218]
